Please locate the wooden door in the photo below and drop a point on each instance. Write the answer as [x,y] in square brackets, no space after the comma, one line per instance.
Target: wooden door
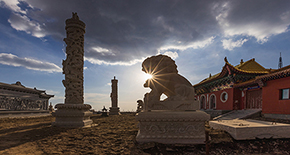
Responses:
[254,99]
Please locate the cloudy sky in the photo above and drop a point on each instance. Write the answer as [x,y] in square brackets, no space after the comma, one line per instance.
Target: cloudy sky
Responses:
[120,34]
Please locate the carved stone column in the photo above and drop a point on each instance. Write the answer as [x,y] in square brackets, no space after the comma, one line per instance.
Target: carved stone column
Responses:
[114,110]
[73,113]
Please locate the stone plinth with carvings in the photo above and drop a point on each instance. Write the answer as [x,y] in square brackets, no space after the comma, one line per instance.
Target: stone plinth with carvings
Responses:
[73,113]
[175,120]
[171,127]
[114,109]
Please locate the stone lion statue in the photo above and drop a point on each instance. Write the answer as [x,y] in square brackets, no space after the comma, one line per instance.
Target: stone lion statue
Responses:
[165,80]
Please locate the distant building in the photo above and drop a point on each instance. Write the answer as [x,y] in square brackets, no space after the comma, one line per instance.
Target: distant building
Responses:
[18,97]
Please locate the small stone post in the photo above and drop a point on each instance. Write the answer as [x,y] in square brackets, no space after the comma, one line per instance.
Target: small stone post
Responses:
[50,108]
[73,113]
[114,110]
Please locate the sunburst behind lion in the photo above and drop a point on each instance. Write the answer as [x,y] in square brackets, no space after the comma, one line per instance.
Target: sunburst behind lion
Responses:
[165,80]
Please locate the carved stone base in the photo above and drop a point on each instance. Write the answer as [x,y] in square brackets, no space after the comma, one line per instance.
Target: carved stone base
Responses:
[175,105]
[172,127]
[72,115]
[114,111]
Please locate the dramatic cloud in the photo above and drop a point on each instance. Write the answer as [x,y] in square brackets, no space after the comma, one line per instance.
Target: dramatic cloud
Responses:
[13,60]
[260,19]
[122,32]
[230,44]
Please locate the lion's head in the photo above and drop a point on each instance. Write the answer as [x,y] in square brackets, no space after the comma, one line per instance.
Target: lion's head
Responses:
[159,64]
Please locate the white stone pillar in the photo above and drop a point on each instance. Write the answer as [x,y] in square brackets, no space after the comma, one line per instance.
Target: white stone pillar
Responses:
[114,110]
[73,113]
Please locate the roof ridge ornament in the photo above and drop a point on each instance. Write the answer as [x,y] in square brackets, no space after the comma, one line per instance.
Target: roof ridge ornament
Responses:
[226,60]
[75,16]
[280,65]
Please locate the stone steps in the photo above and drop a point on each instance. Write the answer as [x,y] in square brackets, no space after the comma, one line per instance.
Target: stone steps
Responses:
[238,114]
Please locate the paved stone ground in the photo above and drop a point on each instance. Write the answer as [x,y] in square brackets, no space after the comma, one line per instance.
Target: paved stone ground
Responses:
[115,135]
[25,115]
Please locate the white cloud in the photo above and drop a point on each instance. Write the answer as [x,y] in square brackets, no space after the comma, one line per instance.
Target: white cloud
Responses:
[13,5]
[230,44]
[23,23]
[13,60]
[259,30]
[103,51]
[56,99]
[20,21]
[51,92]
[194,45]
[172,55]
[121,63]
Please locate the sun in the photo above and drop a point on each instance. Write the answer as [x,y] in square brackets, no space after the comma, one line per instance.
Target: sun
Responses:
[148,76]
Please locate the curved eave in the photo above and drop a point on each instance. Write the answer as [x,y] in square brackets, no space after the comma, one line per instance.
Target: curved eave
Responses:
[276,75]
[20,89]
[246,84]
[45,96]
[234,70]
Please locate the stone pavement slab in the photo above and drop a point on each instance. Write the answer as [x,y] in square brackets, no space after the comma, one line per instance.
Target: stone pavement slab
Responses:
[252,129]
[238,114]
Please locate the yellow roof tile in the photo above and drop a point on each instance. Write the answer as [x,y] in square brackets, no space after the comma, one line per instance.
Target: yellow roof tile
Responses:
[250,66]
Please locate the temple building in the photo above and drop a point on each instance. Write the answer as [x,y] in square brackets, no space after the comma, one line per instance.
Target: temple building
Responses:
[275,93]
[246,86]
[18,97]
[219,91]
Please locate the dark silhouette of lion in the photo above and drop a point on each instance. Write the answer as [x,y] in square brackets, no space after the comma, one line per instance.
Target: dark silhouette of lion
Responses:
[165,80]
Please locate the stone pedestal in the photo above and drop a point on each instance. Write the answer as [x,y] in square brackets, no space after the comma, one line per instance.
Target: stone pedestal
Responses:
[104,114]
[72,115]
[114,111]
[172,127]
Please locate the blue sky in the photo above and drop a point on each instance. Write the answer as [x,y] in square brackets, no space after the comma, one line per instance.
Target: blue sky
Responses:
[120,34]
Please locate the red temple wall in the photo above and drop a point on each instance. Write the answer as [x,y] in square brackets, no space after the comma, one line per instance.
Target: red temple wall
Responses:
[271,97]
[227,105]
[237,99]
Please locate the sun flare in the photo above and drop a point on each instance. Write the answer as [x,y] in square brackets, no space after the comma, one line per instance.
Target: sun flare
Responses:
[148,76]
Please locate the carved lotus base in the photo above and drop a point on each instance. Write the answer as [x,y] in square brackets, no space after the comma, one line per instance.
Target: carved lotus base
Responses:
[114,111]
[72,115]
[172,127]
